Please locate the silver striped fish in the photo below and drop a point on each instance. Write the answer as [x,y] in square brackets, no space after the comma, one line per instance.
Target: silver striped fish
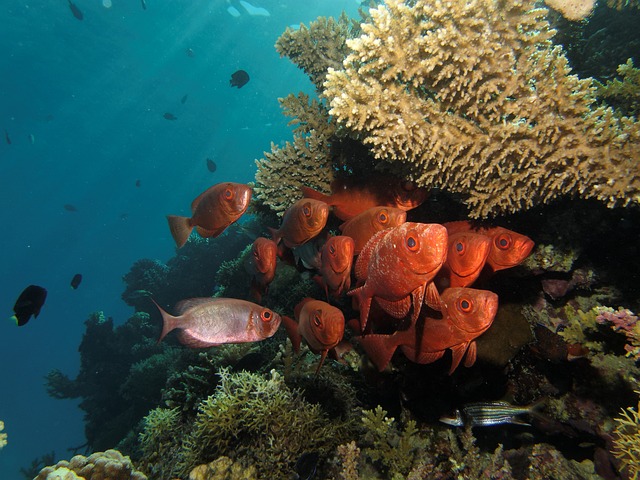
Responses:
[483,414]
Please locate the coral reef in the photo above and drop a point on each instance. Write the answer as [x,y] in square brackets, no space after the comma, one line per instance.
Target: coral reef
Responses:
[627,440]
[3,436]
[306,161]
[573,10]
[109,465]
[158,449]
[223,468]
[623,94]
[473,97]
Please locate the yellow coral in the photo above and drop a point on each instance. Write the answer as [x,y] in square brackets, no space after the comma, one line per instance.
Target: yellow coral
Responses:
[627,440]
[3,436]
[573,10]
[472,95]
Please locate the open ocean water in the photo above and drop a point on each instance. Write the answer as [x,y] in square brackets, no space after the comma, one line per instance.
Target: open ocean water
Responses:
[83,104]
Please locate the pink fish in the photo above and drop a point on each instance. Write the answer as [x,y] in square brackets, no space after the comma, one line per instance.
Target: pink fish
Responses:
[466,256]
[467,314]
[366,224]
[301,222]
[320,324]
[397,266]
[212,211]
[336,258]
[508,248]
[208,322]
[261,265]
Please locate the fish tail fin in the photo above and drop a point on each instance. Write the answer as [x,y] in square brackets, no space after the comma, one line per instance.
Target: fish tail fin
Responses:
[180,229]
[169,322]
[379,348]
[275,236]
[291,326]
[308,192]
[322,357]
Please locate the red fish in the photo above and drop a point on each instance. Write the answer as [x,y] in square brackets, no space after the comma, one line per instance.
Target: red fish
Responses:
[207,322]
[301,222]
[508,248]
[320,324]
[212,211]
[366,224]
[466,256]
[351,196]
[398,266]
[336,258]
[467,314]
[261,265]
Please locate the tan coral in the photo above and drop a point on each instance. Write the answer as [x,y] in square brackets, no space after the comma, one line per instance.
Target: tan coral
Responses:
[3,436]
[109,465]
[573,10]
[472,96]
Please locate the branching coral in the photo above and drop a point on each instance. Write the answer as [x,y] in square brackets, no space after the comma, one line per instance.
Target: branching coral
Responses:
[473,96]
[305,161]
[627,440]
[623,94]
[161,426]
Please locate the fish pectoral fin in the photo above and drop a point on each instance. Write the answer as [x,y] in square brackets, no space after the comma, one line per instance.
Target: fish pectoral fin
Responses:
[432,297]
[180,228]
[291,326]
[323,355]
[458,352]
[516,421]
[396,308]
[472,352]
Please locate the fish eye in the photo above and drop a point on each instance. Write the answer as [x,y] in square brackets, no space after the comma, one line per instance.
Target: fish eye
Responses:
[503,241]
[266,315]
[332,250]
[228,194]
[317,321]
[460,248]
[255,253]
[412,243]
[306,210]
[382,217]
[465,305]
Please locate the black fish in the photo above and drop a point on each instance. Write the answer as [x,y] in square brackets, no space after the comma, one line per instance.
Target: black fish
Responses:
[211,165]
[138,183]
[75,10]
[75,281]
[239,79]
[70,208]
[6,137]
[144,4]
[170,116]
[306,465]
[190,53]
[29,303]
[183,99]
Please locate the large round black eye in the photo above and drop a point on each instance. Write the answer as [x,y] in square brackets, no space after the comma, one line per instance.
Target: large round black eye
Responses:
[412,243]
[460,247]
[503,241]
[228,194]
[383,217]
[465,305]
[306,210]
[266,315]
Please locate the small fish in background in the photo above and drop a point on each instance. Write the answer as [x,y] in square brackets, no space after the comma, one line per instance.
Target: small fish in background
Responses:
[209,322]
[190,53]
[169,116]
[211,165]
[69,208]
[75,10]
[485,414]
[239,79]
[183,100]
[124,216]
[32,138]
[144,4]
[6,137]
[29,304]
[75,281]
[138,183]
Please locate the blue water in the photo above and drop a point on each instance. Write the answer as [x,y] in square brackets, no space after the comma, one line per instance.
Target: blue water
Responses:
[83,104]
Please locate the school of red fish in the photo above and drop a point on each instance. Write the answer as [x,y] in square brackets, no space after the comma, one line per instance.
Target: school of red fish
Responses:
[409,281]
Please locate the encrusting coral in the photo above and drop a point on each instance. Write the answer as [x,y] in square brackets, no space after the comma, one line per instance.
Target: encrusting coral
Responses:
[472,96]
[109,465]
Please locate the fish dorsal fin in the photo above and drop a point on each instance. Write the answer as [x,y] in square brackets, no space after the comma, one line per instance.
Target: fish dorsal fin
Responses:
[298,308]
[364,258]
[308,192]
[458,352]
[395,308]
[184,305]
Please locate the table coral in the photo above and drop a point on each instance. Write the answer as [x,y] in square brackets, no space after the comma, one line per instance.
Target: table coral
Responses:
[472,96]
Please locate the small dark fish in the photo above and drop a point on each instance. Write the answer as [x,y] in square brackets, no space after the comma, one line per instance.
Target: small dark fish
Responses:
[29,304]
[190,53]
[183,100]
[124,216]
[306,465]
[211,165]
[75,10]
[138,183]
[6,137]
[144,4]
[75,281]
[239,79]
[170,116]
[70,208]
[483,414]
